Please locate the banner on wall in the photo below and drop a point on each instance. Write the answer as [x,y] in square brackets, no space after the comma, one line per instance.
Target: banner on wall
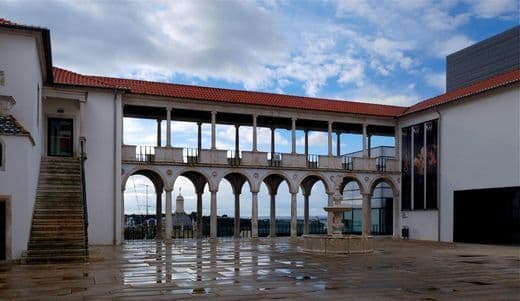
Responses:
[431,164]
[406,169]
[419,160]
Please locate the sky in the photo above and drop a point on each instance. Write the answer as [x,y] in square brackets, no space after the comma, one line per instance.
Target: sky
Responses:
[389,52]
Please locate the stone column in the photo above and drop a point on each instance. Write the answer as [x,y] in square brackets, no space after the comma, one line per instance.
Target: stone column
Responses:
[159,132]
[237,140]
[200,221]
[293,134]
[236,233]
[169,225]
[365,152]
[272,219]
[306,212]
[168,127]
[307,144]
[255,146]
[369,145]
[158,214]
[213,130]
[330,216]
[397,148]
[294,218]
[213,219]
[396,233]
[330,138]
[199,137]
[272,143]
[338,144]
[254,215]
[366,219]
[82,120]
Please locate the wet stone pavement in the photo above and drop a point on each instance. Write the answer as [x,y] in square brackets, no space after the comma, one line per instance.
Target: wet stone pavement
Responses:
[272,269]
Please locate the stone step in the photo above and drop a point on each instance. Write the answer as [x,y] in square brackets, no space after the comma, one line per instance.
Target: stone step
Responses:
[54,227]
[59,210]
[49,245]
[55,259]
[59,194]
[58,205]
[45,239]
[58,220]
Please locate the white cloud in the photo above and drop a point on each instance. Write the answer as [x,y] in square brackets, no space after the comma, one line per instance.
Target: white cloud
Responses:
[436,80]
[452,44]
[495,8]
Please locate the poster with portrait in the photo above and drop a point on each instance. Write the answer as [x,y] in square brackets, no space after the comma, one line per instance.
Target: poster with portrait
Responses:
[406,169]
[431,164]
[418,166]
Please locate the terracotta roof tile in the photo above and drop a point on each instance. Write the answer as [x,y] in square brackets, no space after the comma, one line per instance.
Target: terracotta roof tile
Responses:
[252,98]
[65,77]
[482,86]
[141,87]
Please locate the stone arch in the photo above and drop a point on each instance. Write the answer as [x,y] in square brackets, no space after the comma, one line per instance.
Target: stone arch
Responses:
[152,173]
[293,187]
[245,176]
[310,180]
[198,178]
[385,179]
[348,179]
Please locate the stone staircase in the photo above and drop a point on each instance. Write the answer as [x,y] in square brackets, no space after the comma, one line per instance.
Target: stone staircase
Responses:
[57,232]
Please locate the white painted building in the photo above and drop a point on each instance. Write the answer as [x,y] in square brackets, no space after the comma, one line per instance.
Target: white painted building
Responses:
[476,146]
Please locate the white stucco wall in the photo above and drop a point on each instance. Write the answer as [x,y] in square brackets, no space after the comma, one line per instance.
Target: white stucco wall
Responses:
[23,80]
[479,147]
[99,167]
[13,183]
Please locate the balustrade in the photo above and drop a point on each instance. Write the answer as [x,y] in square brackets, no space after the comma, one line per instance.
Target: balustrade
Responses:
[193,156]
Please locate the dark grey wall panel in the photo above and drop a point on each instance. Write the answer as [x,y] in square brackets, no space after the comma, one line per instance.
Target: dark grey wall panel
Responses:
[493,56]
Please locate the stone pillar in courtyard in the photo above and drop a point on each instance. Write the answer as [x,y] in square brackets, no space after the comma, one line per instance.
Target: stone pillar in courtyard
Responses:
[213,218]
[168,213]
[294,218]
[272,218]
[366,217]
[254,215]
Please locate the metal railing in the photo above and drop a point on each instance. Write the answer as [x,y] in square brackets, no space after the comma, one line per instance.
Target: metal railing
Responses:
[234,158]
[347,162]
[381,163]
[313,161]
[275,159]
[83,158]
[191,155]
[145,153]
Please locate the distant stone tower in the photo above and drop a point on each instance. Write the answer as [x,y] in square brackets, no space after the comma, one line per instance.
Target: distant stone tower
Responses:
[179,203]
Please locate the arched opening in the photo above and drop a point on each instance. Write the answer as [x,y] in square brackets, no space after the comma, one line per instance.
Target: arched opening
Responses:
[352,197]
[315,198]
[191,200]
[279,201]
[142,206]
[234,207]
[382,207]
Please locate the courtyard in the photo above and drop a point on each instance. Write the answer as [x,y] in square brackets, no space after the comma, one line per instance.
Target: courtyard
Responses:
[272,269]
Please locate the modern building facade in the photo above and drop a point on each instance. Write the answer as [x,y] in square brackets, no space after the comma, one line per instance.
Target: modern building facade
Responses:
[63,159]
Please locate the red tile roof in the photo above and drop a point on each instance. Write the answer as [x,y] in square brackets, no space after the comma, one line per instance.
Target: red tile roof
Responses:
[482,86]
[6,22]
[141,87]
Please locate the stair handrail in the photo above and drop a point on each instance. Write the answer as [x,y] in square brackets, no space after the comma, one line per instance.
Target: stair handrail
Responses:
[83,158]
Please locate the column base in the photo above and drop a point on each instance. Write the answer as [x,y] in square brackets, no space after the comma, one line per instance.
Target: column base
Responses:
[293,240]
[212,239]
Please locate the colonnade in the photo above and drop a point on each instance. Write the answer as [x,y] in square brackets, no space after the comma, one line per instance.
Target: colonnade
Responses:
[169,111]
[166,233]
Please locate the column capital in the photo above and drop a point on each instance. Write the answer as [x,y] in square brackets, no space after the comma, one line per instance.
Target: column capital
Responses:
[293,119]
[213,112]
[330,122]
[237,125]
[168,189]
[168,108]
[255,191]
[215,190]
[366,194]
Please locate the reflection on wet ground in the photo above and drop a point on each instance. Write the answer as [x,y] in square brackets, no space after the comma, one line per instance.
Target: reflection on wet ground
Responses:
[271,269]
